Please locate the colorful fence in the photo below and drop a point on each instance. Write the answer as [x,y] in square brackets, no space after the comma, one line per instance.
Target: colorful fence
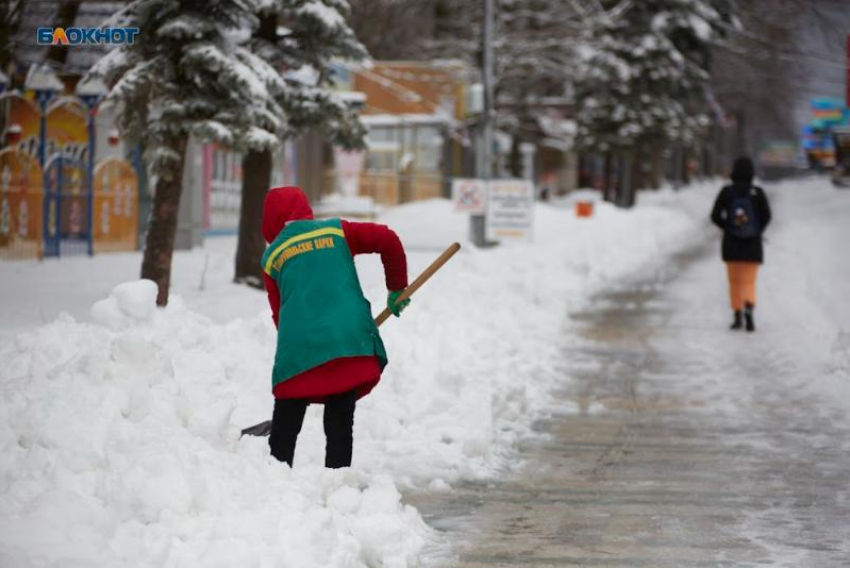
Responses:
[67,208]
[65,219]
[20,205]
[116,204]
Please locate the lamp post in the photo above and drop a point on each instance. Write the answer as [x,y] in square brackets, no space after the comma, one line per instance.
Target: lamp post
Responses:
[478,222]
[91,90]
[44,83]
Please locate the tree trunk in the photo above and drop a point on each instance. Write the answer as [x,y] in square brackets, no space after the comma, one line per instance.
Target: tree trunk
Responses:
[687,175]
[628,181]
[515,158]
[256,179]
[65,18]
[257,173]
[655,168]
[11,15]
[607,181]
[159,244]
[636,177]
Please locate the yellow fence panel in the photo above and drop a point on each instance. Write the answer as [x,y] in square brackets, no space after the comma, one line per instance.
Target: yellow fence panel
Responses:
[116,202]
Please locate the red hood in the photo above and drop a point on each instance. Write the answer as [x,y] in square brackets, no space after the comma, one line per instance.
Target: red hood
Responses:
[283,204]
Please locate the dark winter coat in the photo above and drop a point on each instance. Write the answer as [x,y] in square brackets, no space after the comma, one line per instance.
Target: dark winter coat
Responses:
[737,249]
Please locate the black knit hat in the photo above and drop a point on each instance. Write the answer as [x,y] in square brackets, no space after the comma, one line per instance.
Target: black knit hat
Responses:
[743,170]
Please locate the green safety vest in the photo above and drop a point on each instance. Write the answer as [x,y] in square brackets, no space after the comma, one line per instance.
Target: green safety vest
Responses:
[323,312]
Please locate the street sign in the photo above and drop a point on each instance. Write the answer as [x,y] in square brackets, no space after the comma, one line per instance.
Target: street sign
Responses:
[510,210]
[469,195]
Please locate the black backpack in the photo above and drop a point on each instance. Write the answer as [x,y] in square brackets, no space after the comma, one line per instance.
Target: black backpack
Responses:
[741,219]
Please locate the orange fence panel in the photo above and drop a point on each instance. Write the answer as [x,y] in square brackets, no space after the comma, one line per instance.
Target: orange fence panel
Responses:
[21,202]
[116,203]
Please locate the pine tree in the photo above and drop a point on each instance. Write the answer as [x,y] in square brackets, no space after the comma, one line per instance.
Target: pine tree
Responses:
[645,77]
[313,34]
[184,75]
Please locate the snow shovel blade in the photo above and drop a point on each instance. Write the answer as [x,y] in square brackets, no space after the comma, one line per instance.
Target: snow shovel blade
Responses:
[265,428]
[261,429]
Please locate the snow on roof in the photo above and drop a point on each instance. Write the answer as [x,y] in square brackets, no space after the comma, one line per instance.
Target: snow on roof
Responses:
[556,144]
[557,126]
[559,132]
[91,86]
[67,101]
[42,78]
[351,96]
[396,119]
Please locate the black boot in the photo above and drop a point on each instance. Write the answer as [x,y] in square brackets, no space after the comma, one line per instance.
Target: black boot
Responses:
[738,322]
[748,316]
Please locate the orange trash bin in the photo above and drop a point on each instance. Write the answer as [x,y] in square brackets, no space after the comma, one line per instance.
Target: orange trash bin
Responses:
[584,209]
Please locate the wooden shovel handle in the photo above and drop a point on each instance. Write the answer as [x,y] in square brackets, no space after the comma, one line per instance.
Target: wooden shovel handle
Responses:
[420,280]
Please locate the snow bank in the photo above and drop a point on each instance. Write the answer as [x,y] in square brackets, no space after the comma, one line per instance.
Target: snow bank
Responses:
[119,449]
[120,436]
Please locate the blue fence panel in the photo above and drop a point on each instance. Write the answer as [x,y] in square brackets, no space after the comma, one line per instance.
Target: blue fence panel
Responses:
[67,207]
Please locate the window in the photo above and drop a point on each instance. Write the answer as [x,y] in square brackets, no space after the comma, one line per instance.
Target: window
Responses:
[381,160]
[381,135]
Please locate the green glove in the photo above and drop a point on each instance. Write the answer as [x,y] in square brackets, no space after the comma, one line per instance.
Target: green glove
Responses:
[395,308]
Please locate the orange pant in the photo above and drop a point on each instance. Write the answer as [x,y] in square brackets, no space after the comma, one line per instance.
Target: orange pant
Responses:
[742,283]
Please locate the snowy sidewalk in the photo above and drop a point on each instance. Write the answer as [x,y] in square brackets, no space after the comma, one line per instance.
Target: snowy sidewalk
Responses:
[681,443]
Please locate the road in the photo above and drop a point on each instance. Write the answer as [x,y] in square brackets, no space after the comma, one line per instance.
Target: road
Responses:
[681,444]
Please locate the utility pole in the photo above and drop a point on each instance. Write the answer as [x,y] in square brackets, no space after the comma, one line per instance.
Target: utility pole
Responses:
[847,93]
[477,223]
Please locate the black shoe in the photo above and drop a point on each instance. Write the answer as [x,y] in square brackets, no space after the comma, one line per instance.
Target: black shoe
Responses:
[748,316]
[738,323]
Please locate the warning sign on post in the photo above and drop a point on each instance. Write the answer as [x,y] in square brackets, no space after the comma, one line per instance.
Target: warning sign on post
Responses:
[510,210]
[469,195]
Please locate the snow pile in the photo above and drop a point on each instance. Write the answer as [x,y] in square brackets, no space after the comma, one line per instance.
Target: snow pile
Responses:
[120,437]
[128,304]
[119,450]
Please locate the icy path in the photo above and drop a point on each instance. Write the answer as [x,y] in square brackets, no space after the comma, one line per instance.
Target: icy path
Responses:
[682,443]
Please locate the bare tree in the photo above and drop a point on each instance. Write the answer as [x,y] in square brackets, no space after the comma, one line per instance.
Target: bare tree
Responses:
[393,29]
[762,72]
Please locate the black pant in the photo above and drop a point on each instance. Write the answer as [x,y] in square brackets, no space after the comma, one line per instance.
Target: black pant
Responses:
[339,422]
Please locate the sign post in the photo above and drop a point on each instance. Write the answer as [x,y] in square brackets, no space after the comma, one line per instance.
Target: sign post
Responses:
[510,210]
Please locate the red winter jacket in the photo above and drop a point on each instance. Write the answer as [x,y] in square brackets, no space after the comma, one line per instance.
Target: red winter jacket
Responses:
[284,204]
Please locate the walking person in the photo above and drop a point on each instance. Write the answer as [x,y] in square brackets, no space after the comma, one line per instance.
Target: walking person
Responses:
[742,211]
[329,350]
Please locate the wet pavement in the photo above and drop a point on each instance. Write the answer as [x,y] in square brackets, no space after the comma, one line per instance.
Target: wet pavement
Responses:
[681,444]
